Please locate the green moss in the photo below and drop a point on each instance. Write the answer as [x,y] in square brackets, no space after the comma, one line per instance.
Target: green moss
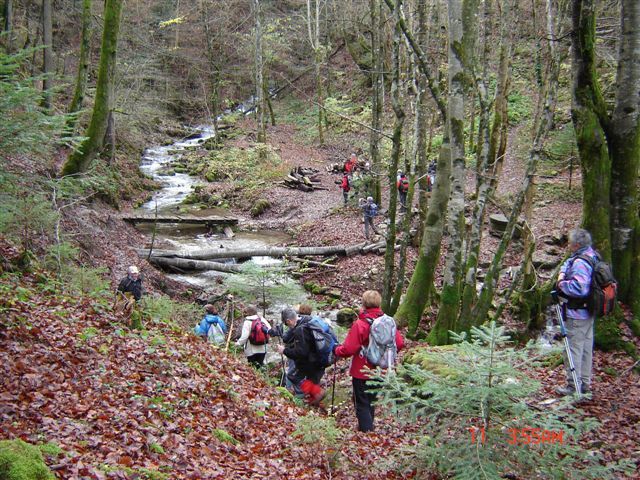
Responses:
[156,448]
[22,461]
[608,336]
[634,324]
[225,436]
[431,360]
[285,393]
[346,316]
[261,206]
[50,449]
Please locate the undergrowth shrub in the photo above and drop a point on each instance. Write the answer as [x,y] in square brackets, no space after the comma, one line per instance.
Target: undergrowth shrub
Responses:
[479,420]
[162,309]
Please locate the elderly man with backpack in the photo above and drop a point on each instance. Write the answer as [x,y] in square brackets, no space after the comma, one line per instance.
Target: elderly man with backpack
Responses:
[254,337]
[583,278]
[373,341]
[308,342]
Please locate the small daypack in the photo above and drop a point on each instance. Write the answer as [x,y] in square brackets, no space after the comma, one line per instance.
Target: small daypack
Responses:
[404,185]
[372,210]
[603,292]
[215,334]
[258,334]
[324,338]
[382,350]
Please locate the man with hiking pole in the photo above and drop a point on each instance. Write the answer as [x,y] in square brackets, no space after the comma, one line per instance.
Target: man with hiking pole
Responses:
[576,320]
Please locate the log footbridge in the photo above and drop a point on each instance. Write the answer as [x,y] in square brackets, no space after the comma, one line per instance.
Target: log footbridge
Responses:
[209,221]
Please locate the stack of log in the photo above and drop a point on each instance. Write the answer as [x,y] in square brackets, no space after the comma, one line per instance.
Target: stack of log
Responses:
[305,179]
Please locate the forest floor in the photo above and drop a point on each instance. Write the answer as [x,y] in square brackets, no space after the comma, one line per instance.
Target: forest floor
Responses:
[160,404]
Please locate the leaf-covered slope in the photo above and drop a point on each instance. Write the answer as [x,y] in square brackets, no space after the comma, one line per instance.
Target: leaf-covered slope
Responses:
[122,403]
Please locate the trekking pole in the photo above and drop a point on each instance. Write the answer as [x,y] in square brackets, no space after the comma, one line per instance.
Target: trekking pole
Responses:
[333,386]
[572,368]
[231,313]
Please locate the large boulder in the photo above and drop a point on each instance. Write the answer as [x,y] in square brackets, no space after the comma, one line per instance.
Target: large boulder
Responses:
[22,461]
[346,316]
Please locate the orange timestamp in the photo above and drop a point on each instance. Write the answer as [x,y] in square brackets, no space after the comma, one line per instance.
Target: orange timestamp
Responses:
[522,436]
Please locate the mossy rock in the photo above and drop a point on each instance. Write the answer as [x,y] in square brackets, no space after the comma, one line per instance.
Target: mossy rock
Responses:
[22,461]
[608,336]
[260,207]
[180,169]
[346,316]
[333,293]
[432,360]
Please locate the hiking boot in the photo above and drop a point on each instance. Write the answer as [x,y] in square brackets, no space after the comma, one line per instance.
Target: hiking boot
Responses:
[565,391]
[585,389]
[317,397]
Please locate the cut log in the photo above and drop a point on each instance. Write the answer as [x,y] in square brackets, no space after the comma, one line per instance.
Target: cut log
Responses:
[185,264]
[228,232]
[221,253]
[312,262]
[209,221]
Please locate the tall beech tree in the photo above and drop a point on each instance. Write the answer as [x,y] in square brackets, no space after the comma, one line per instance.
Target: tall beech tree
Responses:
[259,73]
[80,160]
[83,64]
[47,52]
[609,143]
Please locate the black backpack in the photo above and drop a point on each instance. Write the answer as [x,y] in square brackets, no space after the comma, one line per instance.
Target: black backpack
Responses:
[603,292]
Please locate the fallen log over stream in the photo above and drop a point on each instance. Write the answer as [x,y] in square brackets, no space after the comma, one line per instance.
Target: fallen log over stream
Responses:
[222,253]
[182,264]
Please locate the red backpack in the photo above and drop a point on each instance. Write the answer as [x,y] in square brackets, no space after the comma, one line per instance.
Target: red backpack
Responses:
[258,334]
[404,185]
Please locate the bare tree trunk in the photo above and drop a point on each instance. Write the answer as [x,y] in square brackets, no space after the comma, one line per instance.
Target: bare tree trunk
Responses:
[259,67]
[377,54]
[8,24]
[624,144]
[47,36]
[80,161]
[83,64]
[389,258]
[313,29]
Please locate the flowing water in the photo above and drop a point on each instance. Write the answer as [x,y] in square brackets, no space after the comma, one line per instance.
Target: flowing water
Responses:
[168,200]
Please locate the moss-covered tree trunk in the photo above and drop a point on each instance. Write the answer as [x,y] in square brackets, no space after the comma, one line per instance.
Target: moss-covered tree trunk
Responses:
[389,257]
[451,283]
[624,144]
[590,120]
[47,38]
[83,64]
[80,160]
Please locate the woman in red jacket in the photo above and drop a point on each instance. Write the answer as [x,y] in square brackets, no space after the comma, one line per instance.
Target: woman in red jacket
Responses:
[357,338]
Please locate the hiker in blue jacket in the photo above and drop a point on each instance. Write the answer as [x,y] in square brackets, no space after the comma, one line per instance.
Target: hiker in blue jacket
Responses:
[210,319]
[370,210]
[574,283]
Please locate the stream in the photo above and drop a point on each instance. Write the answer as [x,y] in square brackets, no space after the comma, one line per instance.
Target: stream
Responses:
[168,199]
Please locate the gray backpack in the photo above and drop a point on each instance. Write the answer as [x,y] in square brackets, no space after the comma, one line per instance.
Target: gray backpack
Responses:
[382,350]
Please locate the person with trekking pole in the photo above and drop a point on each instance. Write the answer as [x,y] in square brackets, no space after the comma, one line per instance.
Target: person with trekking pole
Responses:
[573,288]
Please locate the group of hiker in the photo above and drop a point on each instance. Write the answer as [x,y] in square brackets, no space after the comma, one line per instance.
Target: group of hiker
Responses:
[310,346]
[367,205]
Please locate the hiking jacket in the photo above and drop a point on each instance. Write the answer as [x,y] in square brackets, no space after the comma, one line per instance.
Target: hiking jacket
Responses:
[299,344]
[350,166]
[577,280]
[403,184]
[357,338]
[367,208]
[209,320]
[128,285]
[345,184]
[243,341]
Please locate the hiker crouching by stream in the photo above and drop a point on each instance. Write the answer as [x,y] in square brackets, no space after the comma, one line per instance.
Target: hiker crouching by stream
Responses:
[356,340]
[255,337]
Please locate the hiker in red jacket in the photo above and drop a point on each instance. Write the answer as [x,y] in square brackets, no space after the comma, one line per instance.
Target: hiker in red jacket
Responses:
[357,338]
[345,186]
[351,164]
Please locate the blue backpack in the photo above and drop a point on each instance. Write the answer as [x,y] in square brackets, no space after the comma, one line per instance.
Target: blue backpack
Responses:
[325,339]
[371,210]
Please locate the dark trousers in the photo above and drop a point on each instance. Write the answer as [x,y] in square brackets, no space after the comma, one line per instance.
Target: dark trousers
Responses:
[345,195]
[257,360]
[363,399]
[298,374]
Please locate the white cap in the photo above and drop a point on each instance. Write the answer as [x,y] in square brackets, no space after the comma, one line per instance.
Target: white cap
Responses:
[133,269]
[369,199]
